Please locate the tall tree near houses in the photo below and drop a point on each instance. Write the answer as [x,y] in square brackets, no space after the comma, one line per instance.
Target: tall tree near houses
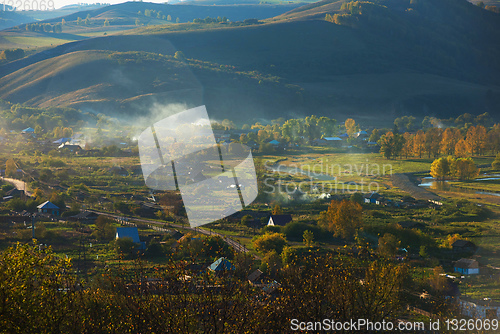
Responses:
[375,135]
[351,127]
[277,210]
[311,128]
[419,143]
[391,145]
[10,168]
[386,143]
[449,140]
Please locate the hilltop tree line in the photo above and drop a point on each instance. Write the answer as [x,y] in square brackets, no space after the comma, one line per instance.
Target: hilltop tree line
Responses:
[208,19]
[155,14]
[44,27]
[293,130]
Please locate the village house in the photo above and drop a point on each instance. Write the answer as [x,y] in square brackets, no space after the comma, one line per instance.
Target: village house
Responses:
[466,267]
[279,220]
[132,233]
[333,141]
[49,208]
[221,265]
[460,246]
[85,217]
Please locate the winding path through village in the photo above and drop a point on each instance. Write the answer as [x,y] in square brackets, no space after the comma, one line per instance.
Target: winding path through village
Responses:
[19,184]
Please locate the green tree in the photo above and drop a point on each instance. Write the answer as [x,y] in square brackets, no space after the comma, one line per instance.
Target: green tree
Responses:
[391,145]
[496,163]
[31,283]
[464,169]
[357,197]
[104,229]
[177,20]
[388,245]
[269,241]
[423,252]
[277,210]
[125,247]
[271,263]
[375,135]
[169,18]
[13,54]
[179,55]
[308,237]
[10,168]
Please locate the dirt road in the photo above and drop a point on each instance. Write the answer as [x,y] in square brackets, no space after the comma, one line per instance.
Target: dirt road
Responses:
[21,185]
[403,182]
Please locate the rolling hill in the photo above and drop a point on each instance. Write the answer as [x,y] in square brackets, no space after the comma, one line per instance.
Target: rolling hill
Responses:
[106,20]
[335,58]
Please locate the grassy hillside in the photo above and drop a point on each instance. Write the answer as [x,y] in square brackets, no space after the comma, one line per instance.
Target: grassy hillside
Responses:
[11,18]
[125,16]
[393,57]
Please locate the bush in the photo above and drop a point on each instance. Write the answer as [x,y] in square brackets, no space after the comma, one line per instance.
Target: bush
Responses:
[125,247]
[215,247]
[295,230]
[154,250]
[270,229]
[70,213]
[269,242]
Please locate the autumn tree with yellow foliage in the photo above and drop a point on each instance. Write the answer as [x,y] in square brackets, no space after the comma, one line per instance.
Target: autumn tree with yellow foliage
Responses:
[476,139]
[342,218]
[419,143]
[440,168]
[351,127]
[450,138]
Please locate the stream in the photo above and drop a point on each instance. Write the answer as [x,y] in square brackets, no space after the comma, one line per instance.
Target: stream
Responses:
[431,183]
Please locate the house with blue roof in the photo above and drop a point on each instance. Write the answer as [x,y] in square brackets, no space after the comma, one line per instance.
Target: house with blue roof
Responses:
[221,265]
[132,233]
[28,130]
[49,208]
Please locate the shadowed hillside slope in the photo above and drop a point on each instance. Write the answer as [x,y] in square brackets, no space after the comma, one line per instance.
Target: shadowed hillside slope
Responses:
[332,58]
